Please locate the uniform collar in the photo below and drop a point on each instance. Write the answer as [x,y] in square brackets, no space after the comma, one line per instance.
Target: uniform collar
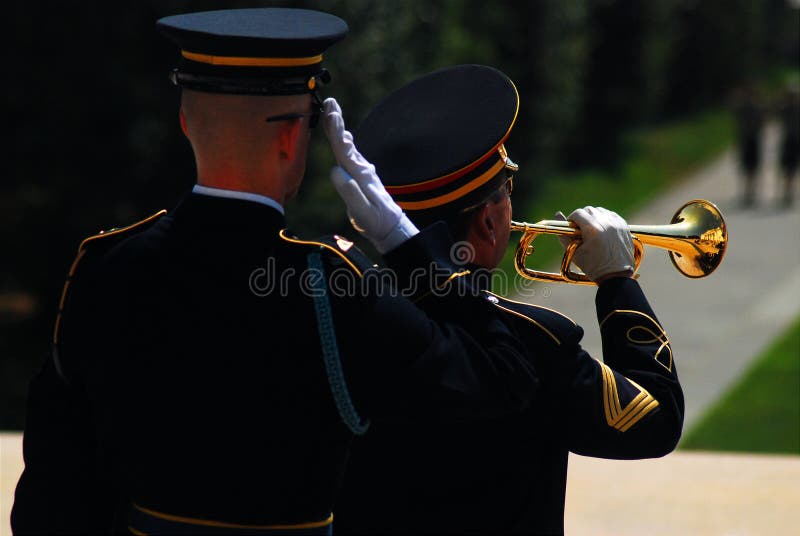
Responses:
[235,194]
[479,277]
[211,212]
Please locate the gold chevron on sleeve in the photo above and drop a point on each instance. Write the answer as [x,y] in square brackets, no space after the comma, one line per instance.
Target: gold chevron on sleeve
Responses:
[618,417]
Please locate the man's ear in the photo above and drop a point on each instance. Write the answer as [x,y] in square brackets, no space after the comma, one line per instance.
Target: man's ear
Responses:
[288,133]
[484,224]
[183,123]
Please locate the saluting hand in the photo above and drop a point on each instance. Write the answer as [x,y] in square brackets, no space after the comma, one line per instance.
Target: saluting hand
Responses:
[371,209]
[606,243]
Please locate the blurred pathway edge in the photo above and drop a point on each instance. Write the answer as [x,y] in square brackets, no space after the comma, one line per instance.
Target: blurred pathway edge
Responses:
[10,469]
[684,493]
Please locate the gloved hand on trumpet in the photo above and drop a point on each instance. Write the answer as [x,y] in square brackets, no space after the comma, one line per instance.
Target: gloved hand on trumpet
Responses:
[696,239]
[606,244]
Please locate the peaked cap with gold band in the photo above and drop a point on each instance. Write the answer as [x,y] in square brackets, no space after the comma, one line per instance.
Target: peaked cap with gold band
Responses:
[266,51]
[437,143]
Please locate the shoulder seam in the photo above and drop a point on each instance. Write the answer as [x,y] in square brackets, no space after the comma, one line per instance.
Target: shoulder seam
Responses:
[531,320]
[82,249]
[559,313]
[121,230]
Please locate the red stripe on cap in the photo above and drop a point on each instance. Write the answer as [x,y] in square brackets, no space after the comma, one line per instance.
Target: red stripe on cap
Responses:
[441,181]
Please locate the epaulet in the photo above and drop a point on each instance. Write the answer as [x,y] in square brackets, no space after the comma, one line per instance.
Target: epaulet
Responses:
[343,248]
[115,235]
[108,239]
[549,321]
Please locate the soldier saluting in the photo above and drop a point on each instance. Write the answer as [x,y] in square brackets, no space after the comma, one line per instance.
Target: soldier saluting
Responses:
[177,398]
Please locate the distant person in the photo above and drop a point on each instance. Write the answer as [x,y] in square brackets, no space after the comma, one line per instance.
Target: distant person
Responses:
[206,377]
[749,111]
[438,146]
[789,116]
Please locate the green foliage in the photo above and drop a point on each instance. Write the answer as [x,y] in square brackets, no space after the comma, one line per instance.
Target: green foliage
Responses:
[719,45]
[761,412]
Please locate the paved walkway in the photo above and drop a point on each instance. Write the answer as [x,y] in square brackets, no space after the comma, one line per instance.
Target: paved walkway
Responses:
[684,494]
[10,469]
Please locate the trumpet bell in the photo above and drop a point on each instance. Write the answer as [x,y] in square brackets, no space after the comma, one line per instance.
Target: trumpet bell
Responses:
[704,245]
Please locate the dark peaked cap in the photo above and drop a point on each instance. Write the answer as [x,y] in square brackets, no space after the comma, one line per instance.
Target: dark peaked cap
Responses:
[267,51]
[437,143]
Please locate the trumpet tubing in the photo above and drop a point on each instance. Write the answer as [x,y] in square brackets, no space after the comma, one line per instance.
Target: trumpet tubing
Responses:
[695,238]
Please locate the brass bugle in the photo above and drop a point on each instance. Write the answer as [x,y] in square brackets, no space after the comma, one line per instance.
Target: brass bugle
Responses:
[695,238]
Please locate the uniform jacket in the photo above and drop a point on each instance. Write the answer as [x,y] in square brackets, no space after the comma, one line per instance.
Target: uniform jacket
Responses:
[509,474]
[188,373]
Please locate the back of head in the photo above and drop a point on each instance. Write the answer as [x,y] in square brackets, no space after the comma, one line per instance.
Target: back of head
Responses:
[229,58]
[240,68]
[224,122]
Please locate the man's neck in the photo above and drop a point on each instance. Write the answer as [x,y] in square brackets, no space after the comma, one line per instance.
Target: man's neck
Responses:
[267,187]
[238,194]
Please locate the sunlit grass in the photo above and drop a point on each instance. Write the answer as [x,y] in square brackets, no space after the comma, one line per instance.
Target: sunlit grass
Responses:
[761,412]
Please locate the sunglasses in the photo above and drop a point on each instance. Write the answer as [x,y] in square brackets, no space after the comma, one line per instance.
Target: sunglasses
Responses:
[505,189]
[508,186]
[313,115]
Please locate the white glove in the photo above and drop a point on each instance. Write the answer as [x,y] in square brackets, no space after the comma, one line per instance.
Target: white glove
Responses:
[606,242]
[371,209]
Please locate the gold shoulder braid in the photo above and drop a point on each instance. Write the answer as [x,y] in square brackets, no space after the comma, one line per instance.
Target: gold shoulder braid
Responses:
[527,312]
[108,238]
[343,248]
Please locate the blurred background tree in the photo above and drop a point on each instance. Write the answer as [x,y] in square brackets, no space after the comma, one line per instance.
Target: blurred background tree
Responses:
[94,142]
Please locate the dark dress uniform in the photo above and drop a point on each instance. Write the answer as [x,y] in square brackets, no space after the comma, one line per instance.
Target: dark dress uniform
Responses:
[210,369]
[190,378]
[503,474]
[509,474]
